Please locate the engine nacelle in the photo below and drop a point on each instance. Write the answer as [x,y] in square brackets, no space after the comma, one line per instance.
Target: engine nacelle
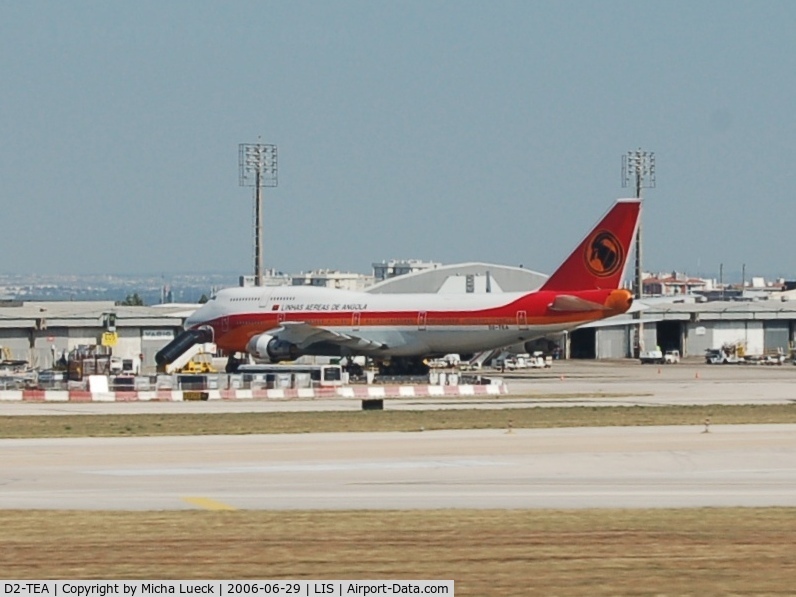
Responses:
[270,348]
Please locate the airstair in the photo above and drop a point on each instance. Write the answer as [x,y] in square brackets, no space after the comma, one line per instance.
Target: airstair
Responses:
[181,345]
[481,359]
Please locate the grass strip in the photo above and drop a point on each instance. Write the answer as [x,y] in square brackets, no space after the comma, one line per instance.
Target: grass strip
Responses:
[729,551]
[386,420]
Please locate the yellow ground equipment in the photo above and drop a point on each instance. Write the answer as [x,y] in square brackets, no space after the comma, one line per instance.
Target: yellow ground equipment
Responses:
[201,362]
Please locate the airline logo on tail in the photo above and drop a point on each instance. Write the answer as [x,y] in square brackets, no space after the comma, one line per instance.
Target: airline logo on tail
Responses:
[604,254]
[598,262]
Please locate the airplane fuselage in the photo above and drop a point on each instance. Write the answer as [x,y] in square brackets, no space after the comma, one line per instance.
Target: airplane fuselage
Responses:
[397,325]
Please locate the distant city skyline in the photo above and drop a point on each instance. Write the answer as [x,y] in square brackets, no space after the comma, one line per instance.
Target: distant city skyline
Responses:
[152,289]
[447,131]
[191,286]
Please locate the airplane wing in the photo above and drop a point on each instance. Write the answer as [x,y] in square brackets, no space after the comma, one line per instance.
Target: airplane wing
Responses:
[619,320]
[568,302]
[303,335]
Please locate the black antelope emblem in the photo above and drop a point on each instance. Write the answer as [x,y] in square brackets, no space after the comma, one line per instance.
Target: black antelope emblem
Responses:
[604,254]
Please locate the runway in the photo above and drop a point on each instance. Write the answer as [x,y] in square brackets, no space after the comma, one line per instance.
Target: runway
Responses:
[659,467]
[750,465]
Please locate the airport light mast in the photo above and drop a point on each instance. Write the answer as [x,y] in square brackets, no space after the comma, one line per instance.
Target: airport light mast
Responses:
[258,168]
[638,168]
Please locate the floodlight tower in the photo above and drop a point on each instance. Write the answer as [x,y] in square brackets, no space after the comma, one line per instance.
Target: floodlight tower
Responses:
[638,167]
[258,167]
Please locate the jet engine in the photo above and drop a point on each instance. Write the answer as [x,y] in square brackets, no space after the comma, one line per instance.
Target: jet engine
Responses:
[270,348]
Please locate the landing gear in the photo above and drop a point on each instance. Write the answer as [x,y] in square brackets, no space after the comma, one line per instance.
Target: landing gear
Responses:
[403,366]
[354,369]
[233,363]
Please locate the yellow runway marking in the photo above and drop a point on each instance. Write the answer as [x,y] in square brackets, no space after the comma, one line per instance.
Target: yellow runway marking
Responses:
[207,503]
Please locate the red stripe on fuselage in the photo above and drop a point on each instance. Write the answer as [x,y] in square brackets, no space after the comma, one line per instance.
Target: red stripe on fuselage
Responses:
[239,328]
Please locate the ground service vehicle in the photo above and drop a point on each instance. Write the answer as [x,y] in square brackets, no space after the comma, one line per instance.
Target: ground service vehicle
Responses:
[293,376]
[651,357]
[720,356]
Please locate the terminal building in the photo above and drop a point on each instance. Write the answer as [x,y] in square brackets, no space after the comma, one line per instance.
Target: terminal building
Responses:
[692,327]
[42,333]
[461,278]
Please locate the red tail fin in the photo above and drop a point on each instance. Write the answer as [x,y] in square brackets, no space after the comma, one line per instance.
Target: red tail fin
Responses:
[599,261]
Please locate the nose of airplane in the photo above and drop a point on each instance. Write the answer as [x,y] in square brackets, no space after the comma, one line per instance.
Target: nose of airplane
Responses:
[198,317]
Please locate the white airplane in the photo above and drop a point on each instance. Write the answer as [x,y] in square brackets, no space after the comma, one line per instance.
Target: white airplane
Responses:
[282,323]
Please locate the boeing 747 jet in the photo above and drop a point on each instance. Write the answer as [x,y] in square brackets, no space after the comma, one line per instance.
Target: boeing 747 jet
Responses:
[283,323]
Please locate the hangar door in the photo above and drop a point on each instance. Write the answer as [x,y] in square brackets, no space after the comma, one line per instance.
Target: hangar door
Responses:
[748,333]
[670,335]
[612,343]
[776,335]
[17,342]
[582,343]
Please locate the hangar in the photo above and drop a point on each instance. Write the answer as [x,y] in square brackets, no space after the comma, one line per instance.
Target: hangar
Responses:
[692,327]
[463,278]
[41,332]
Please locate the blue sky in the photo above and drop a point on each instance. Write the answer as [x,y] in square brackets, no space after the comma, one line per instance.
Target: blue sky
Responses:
[445,131]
